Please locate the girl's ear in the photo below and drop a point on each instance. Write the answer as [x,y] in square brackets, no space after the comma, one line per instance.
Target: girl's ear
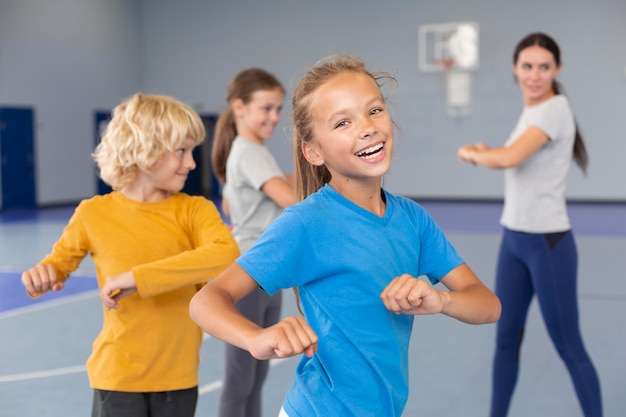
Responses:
[312,154]
[238,106]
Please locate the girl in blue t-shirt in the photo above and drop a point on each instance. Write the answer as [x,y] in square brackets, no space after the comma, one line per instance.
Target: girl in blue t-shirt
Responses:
[353,253]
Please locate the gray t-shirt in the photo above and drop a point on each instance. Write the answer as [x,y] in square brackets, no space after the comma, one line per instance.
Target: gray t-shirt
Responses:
[534,196]
[248,167]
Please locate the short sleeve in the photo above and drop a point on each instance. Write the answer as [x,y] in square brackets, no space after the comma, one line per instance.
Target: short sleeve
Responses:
[438,255]
[279,258]
[549,116]
[258,166]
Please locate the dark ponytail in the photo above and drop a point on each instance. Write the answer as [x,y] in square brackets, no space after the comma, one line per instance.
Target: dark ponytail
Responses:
[541,39]
[581,157]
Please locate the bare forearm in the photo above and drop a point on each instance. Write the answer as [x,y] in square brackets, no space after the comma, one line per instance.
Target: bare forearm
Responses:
[213,309]
[215,312]
[495,158]
[475,304]
[280,191]
[508,156]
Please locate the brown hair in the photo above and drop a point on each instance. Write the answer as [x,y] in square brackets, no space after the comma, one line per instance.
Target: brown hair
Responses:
[309,177]
[241,87]
[546,42]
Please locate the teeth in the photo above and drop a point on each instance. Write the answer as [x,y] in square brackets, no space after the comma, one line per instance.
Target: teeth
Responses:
[370,150]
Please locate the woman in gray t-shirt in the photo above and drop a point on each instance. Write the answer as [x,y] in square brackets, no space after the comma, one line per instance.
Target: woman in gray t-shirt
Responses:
[538,252]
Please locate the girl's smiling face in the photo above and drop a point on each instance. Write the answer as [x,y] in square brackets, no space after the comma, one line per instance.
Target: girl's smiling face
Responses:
[257,119]
[536,70]
[352,131]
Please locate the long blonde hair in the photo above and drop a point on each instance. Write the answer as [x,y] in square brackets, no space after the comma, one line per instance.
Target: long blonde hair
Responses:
[309,177]
[141,130]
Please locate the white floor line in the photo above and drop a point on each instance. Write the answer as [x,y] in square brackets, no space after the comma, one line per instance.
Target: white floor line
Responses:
[43,374]
[215,385]
[204,389]
[49,304]
[54,372]
[12,269]
[80,273]
[86,269]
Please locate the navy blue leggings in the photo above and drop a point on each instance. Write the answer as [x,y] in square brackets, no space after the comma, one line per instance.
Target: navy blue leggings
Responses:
[544,265]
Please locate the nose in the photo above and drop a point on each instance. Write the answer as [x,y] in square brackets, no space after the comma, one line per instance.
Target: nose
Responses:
[366,128]
[534,72]
[189,162]
[275,116]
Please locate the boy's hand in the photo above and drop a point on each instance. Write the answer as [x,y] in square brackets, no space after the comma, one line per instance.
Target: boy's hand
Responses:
[289,337]
[117,287]
[40,279]
[409,295]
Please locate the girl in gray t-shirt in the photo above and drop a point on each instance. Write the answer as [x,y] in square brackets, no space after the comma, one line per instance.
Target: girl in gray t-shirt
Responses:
[254,194]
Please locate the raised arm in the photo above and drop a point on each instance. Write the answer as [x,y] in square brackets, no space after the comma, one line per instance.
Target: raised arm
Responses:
[281,191]
[225,207]
[40,279]
[66,255]
[504,157]
[213,309]
[213,249]
[468,299]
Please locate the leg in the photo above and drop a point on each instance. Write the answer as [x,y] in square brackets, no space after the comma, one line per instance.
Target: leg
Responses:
[514,288]
[119,404]
[179,403]
[271,316]
[241,376]
[555,276]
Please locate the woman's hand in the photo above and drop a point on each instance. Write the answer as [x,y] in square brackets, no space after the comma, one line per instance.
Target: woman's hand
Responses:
[466,153]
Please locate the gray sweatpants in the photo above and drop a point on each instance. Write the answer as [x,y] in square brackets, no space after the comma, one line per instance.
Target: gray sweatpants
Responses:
[243,374]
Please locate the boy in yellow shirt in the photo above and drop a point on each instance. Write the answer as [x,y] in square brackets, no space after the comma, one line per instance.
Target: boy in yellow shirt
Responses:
[153,248]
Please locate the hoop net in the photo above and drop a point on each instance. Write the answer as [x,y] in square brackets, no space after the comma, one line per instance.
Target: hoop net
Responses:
[446,63]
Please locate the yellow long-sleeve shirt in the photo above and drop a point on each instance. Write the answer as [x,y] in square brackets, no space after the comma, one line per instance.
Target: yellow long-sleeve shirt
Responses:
[172,247]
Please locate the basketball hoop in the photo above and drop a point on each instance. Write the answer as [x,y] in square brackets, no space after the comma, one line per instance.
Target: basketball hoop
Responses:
[445,63]
[451,49]
[458,89]
[457,86]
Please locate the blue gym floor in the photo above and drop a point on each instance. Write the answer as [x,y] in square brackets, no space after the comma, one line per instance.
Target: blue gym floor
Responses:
[44,343]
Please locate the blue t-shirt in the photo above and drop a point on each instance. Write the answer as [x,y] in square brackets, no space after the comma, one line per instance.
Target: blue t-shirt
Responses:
[341,257]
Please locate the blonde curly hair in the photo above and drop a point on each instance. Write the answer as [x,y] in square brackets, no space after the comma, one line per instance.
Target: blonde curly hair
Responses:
[142,129]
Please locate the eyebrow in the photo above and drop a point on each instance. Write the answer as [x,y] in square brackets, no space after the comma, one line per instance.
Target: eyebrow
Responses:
[343,112]
[540,63]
